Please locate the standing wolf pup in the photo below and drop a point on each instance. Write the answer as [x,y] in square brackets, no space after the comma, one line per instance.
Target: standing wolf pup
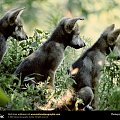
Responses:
[86,70]
[10,25]
[46,59]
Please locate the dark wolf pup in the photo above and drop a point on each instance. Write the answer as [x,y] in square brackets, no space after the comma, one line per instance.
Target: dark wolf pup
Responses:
[42,63]
[10,25]
[86,70]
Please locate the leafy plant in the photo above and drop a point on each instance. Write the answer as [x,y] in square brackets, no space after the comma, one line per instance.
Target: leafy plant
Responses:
[20,99]
[108,89]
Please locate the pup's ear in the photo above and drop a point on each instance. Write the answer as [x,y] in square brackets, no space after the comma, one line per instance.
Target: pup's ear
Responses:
[114,34]
[13,14]
[69,25]
[108,30]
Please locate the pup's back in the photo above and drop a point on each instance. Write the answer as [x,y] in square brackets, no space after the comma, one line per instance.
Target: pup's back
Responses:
[40,63]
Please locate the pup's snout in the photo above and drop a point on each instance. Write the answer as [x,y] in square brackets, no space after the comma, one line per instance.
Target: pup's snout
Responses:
[26,37]
[84,44]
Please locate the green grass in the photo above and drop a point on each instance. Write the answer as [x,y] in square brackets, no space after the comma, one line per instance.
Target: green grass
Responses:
[107,91]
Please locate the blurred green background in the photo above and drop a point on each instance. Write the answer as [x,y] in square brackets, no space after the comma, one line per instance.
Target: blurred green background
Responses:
[44,14]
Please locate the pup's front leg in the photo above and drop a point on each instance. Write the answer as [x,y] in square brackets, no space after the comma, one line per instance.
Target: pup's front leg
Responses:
[51,78]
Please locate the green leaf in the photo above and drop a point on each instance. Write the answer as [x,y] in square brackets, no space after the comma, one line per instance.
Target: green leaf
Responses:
[4,99]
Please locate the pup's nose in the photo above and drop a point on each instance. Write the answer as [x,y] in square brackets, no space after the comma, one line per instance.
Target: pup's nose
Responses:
[84,44]
[26,37]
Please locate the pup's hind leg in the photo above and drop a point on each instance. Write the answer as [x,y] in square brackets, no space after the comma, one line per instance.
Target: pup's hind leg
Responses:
[94,102]
[50,79]
[86,94]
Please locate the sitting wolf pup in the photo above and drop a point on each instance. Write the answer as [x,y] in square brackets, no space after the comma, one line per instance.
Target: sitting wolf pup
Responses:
[45,60]
[85,73]
[10,25]
[86,70]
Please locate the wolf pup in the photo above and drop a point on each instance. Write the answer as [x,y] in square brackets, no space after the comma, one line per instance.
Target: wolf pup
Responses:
[86,70]
[46,59]
[10,25]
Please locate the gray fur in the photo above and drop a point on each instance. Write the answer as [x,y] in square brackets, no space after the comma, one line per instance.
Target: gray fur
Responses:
[10,24]
[89,65]
[46,59]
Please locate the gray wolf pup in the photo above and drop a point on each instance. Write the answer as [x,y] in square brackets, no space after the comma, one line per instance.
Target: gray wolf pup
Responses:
[10,25]
[86,70]
[46,59]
